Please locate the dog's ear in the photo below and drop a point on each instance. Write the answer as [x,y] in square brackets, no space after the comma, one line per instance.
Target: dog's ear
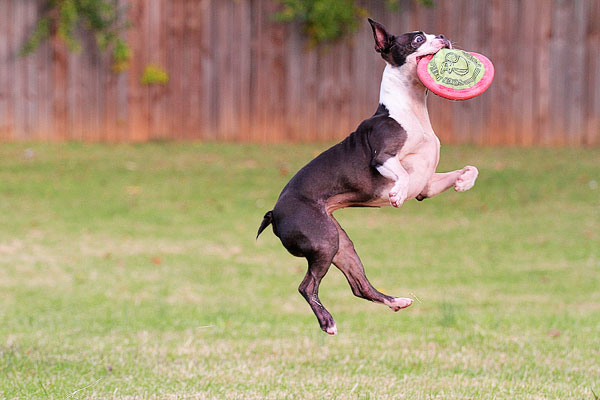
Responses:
[383,40]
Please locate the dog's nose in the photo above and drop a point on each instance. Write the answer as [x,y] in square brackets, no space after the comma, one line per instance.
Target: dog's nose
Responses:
[447,43]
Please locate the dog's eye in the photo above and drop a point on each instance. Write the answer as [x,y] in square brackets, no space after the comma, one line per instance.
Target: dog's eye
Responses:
[418,40]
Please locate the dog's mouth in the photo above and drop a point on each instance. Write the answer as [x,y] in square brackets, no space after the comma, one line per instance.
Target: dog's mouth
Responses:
[424,55]
[446,45]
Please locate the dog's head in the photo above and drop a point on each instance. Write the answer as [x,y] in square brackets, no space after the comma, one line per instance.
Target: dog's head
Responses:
[407,48]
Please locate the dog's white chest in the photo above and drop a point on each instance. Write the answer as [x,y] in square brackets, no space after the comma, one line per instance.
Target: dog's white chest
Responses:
[406,102]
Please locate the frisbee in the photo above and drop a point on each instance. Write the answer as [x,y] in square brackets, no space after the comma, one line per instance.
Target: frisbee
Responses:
[456,74]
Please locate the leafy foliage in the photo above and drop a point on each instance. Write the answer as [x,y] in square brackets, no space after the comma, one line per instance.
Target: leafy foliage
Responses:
[101,17]
[323,20]
[154,74]
[329,20]
[121,55]
[40,34]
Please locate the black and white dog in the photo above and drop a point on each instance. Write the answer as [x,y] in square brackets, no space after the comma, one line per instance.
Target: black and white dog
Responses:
[389,159]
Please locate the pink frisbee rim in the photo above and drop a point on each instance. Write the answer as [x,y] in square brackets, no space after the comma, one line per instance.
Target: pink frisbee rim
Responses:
[457,94]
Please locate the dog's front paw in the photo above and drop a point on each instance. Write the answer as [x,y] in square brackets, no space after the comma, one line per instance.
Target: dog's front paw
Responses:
[467,179]
[397,195]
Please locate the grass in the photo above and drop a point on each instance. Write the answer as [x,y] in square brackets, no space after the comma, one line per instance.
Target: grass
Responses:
[131,271]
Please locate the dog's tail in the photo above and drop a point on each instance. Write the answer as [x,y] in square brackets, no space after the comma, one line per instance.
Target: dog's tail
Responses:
[267,220]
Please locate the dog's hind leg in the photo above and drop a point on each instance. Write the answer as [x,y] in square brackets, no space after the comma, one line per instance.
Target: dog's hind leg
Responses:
[318,265]
[306,231]
[349,263]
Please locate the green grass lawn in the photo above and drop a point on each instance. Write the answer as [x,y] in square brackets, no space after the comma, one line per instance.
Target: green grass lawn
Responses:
[131,271]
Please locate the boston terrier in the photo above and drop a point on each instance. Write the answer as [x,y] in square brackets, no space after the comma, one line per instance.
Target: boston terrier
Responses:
[389,159]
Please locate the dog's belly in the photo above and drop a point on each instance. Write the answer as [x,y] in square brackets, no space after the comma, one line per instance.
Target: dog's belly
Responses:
[420,172]
[421,166]
[344,200]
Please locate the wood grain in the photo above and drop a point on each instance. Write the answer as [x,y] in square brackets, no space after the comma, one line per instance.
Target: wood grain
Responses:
[237,74]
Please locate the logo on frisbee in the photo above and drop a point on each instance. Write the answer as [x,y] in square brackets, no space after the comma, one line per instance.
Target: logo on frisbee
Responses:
[456,74]
[453,63]
[455,68]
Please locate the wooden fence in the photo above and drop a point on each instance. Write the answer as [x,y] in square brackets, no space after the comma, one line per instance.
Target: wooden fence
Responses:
[236,75]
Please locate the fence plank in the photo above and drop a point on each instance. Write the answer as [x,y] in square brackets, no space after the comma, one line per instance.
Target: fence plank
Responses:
[592,98]
[576,73]
[137,124]
[6,62]
[542,73]
[19,71]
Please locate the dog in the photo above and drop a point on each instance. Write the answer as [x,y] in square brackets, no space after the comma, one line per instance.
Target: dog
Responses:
[390,158]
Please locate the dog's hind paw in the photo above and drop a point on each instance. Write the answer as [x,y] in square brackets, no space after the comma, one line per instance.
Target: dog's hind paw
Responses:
[398,303]
[332,330]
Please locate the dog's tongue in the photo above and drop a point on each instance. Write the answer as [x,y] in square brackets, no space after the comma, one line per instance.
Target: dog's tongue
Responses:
[455,74]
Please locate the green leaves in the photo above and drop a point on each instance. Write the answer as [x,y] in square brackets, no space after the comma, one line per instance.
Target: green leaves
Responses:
[154,75]
[40,34]
[103,18]
[121,55]
[330,20]
[68,16]
[322,20]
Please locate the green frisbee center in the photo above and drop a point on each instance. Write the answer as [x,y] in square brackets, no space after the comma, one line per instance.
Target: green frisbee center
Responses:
[456,69]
